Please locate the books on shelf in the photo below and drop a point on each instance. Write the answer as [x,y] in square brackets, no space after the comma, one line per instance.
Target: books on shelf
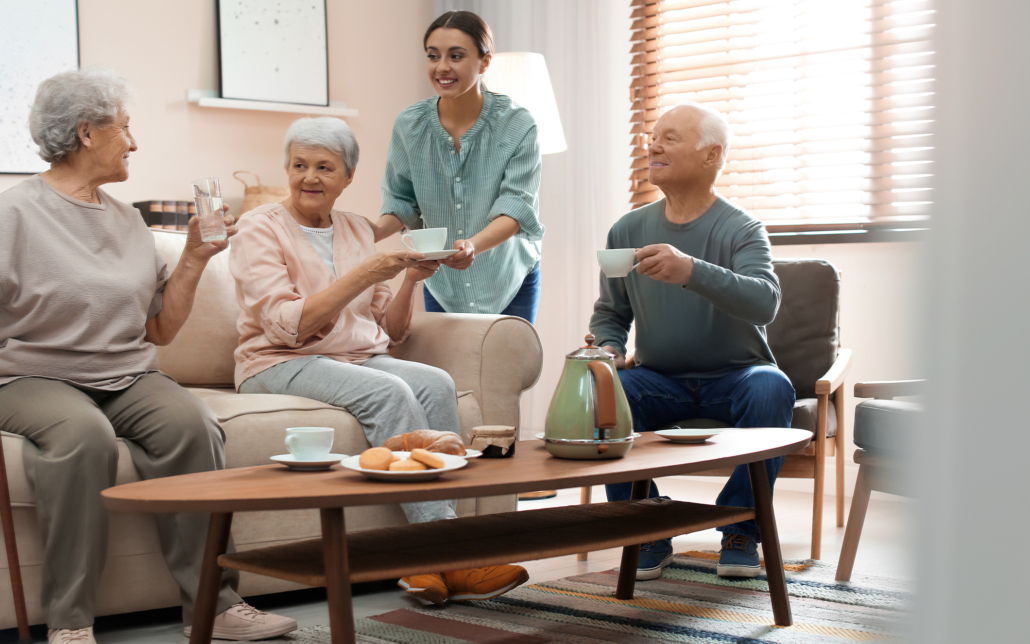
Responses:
[167,215]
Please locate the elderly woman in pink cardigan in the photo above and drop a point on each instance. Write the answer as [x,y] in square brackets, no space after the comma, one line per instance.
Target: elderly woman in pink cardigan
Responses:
[317,319]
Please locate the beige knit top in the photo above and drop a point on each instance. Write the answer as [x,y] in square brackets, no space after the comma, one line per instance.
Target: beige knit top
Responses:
[78,282]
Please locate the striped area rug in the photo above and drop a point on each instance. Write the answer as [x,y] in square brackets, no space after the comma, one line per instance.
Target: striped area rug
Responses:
[689,603]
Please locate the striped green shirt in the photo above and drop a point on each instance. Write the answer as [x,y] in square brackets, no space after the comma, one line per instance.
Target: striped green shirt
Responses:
[497,172]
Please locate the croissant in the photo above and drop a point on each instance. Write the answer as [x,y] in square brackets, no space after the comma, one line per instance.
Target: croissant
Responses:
[429,440]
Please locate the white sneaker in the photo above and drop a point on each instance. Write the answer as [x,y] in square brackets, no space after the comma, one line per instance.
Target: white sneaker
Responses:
[70,636]
[243,622]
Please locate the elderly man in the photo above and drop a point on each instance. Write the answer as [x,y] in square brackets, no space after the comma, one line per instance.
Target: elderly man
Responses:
[701,296]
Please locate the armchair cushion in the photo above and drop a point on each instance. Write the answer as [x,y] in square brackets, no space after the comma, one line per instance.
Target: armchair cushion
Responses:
[887,425]
[804,336]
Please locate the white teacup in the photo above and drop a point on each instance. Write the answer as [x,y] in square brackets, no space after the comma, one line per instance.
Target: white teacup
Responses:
[617,262]
[425,240]
[309,443]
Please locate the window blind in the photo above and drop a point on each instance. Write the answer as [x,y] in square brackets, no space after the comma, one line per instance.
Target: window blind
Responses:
[830,102]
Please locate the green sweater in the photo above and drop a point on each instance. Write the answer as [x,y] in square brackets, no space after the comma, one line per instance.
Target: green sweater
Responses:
[714,325]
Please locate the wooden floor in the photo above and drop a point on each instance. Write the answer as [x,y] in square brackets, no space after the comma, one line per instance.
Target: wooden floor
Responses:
[882,551]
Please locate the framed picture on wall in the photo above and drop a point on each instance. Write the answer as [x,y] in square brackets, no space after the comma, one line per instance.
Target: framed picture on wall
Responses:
[37,40]
[274,50]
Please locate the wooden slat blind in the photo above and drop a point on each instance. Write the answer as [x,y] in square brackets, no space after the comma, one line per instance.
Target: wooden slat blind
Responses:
[830,101]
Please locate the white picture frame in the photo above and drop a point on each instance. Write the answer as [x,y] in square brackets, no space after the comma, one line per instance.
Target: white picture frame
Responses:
[274,51]
[37,40]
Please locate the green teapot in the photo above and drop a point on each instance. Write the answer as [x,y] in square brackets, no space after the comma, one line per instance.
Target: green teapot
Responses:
[589,416]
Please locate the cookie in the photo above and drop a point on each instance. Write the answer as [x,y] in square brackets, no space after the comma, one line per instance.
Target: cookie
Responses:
[377,458]
[428,458]
[407,465]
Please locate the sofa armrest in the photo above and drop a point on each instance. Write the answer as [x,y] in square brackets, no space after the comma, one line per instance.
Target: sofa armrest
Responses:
[890,389]
[497,357]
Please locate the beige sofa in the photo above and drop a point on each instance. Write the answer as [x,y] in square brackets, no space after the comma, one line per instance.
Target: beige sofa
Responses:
[493,359]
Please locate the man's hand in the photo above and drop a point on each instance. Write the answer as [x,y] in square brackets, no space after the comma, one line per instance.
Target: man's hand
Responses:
[464,258]
[620,360]
[665,263]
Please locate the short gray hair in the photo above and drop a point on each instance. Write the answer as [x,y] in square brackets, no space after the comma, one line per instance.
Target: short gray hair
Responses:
[712,129]
[324,132]
[93,95]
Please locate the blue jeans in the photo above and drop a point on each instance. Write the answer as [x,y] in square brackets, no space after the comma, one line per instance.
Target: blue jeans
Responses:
[524,304]
[749,397]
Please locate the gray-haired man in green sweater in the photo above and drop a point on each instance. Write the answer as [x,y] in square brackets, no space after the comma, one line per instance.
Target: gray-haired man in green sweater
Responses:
[701,297]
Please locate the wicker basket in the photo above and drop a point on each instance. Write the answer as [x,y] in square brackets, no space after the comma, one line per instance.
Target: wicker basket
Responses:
[259,195]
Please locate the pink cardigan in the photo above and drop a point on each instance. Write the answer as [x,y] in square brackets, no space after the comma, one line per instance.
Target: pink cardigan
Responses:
[276,268]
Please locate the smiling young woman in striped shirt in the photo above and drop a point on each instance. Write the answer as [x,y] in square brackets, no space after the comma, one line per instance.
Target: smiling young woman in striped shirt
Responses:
[468,160]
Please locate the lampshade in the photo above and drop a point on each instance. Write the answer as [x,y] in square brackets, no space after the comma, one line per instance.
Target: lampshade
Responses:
[523,76]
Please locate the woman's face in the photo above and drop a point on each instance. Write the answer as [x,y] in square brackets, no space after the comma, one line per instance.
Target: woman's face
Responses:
[453,62]
[317,178]
[109,148]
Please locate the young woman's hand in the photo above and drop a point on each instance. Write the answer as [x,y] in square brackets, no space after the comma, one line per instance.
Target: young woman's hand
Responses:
[464,257]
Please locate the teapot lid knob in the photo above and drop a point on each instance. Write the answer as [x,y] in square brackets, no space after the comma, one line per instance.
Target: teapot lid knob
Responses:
[590,341]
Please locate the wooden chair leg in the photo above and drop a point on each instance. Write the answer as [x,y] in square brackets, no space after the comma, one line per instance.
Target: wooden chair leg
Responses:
[856,519]
[14,565]
[584,499]
[820,475]
[838,403]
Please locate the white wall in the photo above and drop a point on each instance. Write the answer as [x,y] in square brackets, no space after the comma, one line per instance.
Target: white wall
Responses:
[165,48]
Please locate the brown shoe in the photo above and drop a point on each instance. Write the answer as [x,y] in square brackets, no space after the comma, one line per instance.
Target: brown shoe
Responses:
[243,622]
[484,583]
[428,589]
[70,636]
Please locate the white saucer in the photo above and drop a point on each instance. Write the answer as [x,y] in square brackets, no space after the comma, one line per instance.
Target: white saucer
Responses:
[440,254]
[450,462]
[308,466]
[472,453]
[679,435]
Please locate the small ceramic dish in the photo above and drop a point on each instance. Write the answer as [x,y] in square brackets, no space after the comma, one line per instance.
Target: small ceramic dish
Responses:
[680,435]
[308,466]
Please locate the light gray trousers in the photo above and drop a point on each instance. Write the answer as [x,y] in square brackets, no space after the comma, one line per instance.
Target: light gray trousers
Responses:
[71,450]
[386,395]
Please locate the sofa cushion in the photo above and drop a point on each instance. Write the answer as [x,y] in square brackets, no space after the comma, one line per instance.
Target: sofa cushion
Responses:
[202,352]
[887,425]
[804,336]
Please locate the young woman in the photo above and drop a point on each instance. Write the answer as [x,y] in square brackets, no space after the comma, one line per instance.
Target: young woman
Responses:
[468,161]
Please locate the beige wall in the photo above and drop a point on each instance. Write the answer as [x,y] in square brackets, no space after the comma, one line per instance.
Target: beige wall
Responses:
[167,48]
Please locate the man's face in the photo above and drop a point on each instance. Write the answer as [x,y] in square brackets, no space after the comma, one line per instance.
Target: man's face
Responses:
[673,157]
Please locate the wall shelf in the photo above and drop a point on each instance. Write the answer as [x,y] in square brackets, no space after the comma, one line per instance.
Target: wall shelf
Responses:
[209,98]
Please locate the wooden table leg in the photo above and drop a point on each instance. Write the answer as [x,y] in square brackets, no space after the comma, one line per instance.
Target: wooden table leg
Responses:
[337,576]
[631,554]
[766,521]
[210,578]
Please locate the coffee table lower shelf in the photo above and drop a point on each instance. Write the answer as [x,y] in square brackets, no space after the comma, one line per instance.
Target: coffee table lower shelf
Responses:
[493,539]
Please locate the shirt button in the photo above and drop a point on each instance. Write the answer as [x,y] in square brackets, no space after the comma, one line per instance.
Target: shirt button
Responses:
[472,303]
[458,206]
[452,151]
[467,284]
[457,179]
[461,232]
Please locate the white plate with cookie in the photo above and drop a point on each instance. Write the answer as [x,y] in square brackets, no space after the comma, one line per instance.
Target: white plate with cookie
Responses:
[450,463]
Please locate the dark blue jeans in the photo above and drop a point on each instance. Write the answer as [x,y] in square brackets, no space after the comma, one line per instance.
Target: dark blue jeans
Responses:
[750,397]
[524,304]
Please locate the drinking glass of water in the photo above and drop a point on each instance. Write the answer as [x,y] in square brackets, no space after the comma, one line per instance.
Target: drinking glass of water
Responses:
[207,193]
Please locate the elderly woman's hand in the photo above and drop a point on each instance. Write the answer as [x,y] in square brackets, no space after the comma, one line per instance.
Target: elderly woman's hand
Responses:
[204,251]
[423,270]
[386,265]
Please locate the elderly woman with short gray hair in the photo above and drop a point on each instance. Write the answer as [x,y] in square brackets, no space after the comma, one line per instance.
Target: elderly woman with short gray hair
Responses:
[84,299]
[317,318]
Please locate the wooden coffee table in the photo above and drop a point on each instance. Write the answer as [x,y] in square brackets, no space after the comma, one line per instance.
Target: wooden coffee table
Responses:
[338,558]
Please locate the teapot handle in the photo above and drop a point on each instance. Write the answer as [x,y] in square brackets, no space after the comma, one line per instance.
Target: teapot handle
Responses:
[606,417]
